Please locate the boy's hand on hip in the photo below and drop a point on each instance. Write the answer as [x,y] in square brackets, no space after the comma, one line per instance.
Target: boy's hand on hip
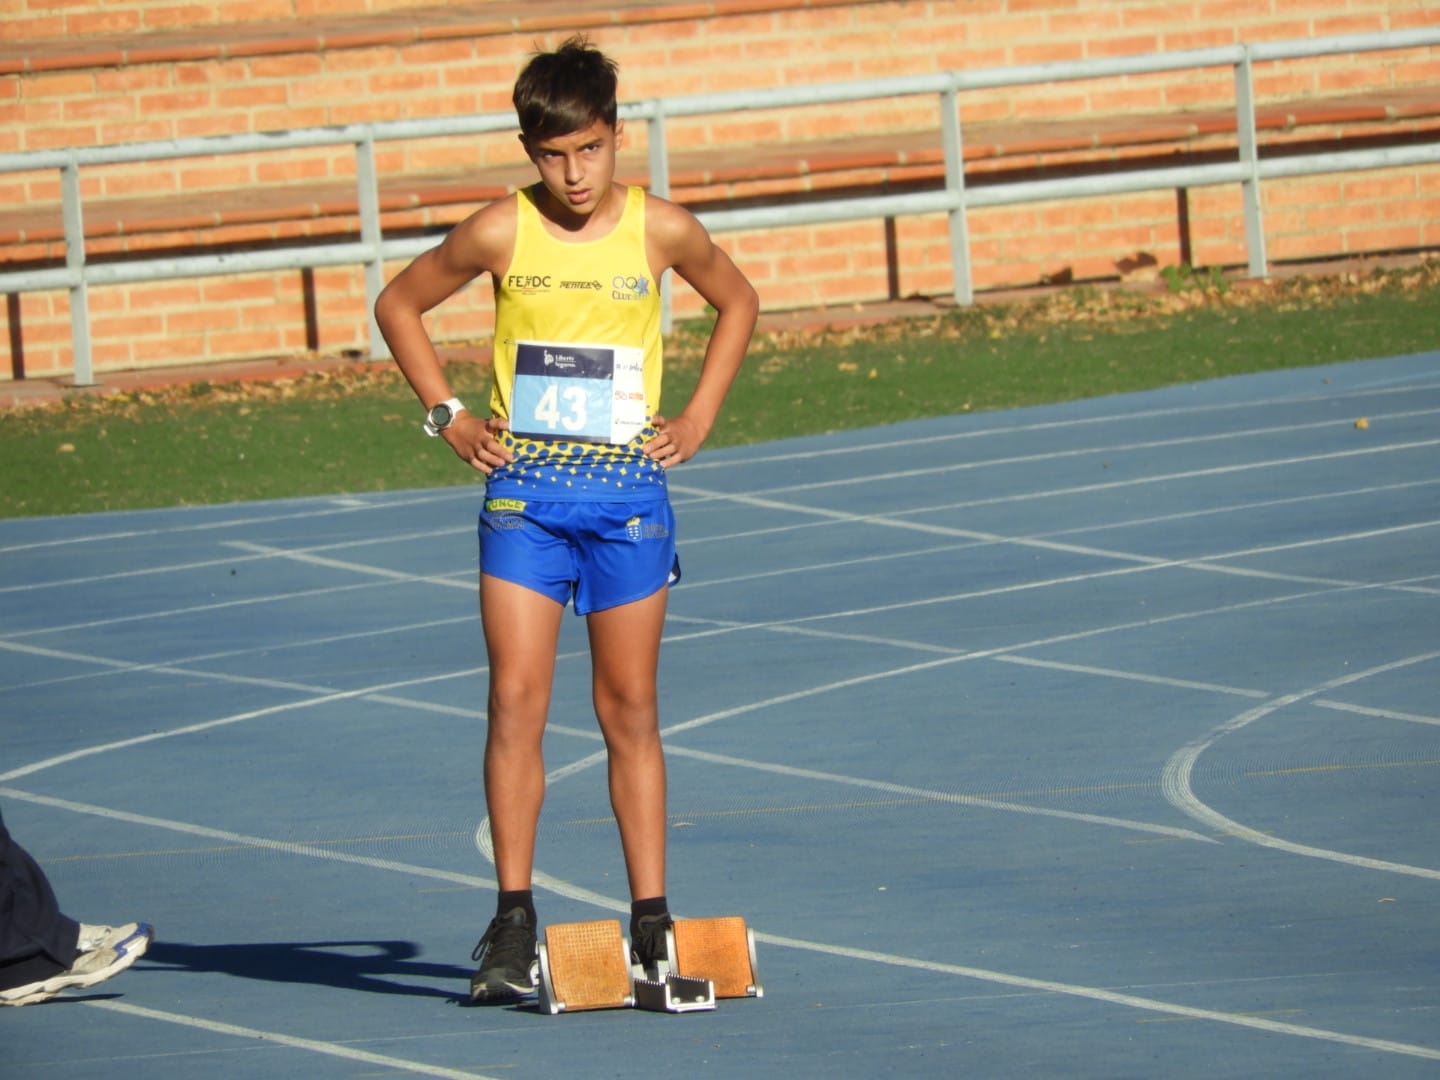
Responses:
[678,440]
[477,442]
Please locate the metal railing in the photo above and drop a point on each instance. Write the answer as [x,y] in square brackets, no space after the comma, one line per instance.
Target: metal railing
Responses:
[373,250]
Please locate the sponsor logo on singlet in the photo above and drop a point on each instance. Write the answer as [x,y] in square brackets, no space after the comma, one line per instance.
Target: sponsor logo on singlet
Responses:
[629,287]
[529,284]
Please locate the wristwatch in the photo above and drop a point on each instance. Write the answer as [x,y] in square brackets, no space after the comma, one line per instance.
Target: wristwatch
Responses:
[442,416]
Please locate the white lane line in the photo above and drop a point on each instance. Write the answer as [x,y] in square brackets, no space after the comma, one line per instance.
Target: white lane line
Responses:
[315,1046]
[196,609]
[205,725]
[613,904]
[1006,652]
[762,497]
[1383,714]
[257,552]
[242,522]
[1095,993]
[561,887]
[1111,524]
[1044,986]
[1134,676]
[1202,562]
[226,836]
[1286,1026]
[121,575]
[125,667]
[812,486]
[1208,563]
[970,540]
[184,665]
[871,479]
[878,444]
[1179,770]
[1090,489]
[1067,579]
[1329,498]
[830,565]
[931,795]
[787,626]
[169,733]
[847,517]
[307,555]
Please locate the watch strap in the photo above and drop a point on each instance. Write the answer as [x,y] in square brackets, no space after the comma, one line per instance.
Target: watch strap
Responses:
[453,404]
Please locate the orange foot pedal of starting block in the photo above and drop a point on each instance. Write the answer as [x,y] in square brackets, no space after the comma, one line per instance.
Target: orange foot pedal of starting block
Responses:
[721,950]
[585,966]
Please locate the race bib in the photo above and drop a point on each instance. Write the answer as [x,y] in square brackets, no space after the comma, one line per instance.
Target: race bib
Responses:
[589,393]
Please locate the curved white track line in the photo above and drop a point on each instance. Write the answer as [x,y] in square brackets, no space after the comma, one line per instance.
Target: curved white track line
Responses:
[999,978]
[587,896]
[569,890]
[1175,780]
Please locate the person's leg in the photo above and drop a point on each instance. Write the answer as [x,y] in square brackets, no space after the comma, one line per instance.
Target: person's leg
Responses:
[36,939]
[43,951]
[625,652]
[522,628]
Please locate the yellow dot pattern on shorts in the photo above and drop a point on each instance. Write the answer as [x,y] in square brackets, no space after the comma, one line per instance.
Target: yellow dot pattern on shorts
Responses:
[580,468]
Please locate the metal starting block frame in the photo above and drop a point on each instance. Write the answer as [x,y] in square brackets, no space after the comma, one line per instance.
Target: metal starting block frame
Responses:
[587,966]
[673,993]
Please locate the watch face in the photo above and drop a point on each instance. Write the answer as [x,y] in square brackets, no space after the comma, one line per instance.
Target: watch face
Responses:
[441,415]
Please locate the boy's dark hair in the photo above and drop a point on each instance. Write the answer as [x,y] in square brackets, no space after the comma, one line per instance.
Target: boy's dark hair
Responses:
[565,90]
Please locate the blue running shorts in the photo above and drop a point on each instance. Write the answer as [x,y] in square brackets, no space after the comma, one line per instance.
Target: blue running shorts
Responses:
[598,554]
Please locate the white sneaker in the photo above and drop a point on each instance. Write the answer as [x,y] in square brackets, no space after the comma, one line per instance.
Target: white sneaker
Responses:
[103,951]
[105,937]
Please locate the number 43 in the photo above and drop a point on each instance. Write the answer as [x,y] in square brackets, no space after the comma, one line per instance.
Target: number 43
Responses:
[548,410]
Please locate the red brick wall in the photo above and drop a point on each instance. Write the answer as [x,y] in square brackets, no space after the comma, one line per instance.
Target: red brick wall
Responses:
[156,71]
[38,20]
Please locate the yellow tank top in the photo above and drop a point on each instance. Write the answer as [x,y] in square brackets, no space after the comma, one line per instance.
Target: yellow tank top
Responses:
[577,362]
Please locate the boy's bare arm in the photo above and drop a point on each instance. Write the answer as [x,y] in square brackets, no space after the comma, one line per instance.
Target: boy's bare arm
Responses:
[684,245]
[477,245]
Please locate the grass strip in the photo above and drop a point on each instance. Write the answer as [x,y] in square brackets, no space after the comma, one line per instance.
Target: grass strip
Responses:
[357,430]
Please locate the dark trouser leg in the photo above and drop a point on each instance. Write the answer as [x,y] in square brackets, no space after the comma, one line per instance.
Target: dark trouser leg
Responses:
[36,940]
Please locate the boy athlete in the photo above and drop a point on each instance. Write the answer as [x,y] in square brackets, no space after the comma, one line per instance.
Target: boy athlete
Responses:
[574,453]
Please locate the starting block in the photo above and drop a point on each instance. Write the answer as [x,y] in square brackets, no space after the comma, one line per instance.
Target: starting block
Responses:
[585,966]
[721,950]
[588,966]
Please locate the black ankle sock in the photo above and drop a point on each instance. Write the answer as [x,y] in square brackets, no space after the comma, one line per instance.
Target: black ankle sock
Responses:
[654,905]
[521,898]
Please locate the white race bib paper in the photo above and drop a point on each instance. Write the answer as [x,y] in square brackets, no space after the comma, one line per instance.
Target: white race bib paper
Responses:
[589,393]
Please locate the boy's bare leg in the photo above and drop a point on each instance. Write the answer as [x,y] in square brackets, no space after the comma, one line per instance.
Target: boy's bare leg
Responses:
[522,628]
[625,652]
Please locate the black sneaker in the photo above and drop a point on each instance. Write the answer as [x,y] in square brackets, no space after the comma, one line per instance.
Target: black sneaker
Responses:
[507,959]
[649,944]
